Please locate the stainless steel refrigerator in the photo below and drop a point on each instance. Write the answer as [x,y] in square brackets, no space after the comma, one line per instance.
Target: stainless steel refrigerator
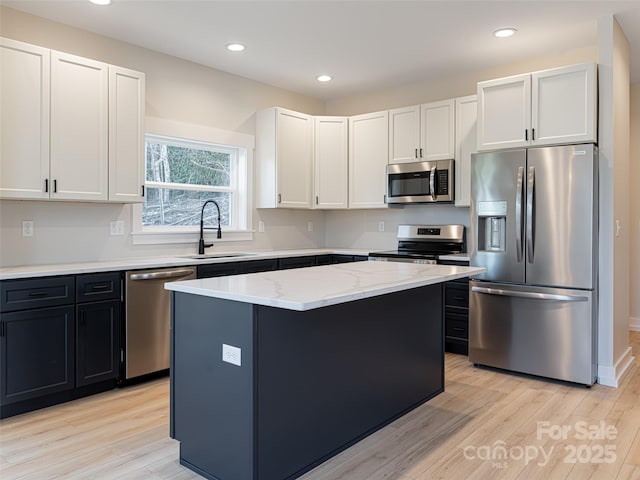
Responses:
[534,227]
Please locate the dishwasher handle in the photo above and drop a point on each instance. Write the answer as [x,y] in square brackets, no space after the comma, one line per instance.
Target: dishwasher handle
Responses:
[162,274]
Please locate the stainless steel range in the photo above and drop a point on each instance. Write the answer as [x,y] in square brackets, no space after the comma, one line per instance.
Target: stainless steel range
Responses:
[424,243]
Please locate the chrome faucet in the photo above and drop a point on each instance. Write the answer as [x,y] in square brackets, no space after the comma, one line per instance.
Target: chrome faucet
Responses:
[201,244]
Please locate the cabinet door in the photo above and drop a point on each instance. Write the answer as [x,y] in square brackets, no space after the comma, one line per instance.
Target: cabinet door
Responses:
[97,342]
[37,353]
[466,144]
[126,135]
[294,150]
[331,162]
[437,130]
[404,134]
[504,112]
[564,105]
[24,116]
[79,128]
[368,155]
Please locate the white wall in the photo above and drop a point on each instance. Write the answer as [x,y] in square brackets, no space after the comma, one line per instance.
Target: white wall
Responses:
[634,213]
[175,89]
[614,353]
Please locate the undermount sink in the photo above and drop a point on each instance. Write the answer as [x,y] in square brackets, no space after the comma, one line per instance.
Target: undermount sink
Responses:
[207,256]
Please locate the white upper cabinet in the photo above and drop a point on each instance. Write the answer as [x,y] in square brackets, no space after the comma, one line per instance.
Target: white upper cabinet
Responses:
[422,132]
[24,116]
[404,134]
[564,105]
[284,144]
[466,144]
[368,158]
[557,106]
[331,162]
[72,128]
[126,135]
[504,112]
[437,130]
[79,128]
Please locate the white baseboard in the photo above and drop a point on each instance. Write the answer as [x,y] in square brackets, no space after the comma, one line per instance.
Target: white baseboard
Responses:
[634,324]
[611,376]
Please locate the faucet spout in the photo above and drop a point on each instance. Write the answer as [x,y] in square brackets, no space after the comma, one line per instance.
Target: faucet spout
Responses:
[201,244]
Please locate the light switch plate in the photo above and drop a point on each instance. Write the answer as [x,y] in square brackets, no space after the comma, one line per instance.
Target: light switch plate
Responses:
[231,354]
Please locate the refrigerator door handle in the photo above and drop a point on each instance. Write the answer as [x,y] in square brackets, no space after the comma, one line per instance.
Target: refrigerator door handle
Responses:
[532,295]
[519,186]
[531,185]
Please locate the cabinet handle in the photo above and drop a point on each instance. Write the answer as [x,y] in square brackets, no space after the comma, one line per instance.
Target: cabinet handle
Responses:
[421,152]
[55,186]
[416,153]
[279,198]
[533,134]
[46,185]
[143,190]
[82,317]
[316,199]
[458,298]
[1,329]
[526,135]
[102,286]
[384,199]
[458,329]
[38,294]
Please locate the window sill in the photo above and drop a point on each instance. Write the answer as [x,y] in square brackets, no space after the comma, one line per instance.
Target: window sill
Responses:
[160,238]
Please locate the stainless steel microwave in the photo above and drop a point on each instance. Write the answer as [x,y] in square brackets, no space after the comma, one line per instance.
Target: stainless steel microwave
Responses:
[420,182]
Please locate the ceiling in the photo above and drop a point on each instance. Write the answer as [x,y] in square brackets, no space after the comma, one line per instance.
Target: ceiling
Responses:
[365,45]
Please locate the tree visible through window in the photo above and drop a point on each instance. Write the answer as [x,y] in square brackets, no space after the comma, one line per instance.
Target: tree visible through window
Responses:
[181,175]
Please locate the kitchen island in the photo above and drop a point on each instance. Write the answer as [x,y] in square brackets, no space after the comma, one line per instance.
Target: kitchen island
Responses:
[273,373]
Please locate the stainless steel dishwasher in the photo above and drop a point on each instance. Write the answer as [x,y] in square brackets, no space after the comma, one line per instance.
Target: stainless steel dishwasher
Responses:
[148,318]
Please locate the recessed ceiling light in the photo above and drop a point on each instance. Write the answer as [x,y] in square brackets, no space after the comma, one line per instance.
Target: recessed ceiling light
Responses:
[323,78]
[504,32]
[235,47]
[100,2]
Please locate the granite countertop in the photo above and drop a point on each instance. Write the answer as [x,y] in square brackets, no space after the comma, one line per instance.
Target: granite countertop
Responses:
[314,287]
[32,271]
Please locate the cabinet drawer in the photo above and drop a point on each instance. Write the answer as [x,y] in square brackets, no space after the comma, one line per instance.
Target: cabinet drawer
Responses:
[456,295]
[255,266]
[36,293]
[97,286]
[296,262]
[218,270]
[456,327]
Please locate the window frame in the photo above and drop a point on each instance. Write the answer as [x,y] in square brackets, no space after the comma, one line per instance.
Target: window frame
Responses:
[206,138]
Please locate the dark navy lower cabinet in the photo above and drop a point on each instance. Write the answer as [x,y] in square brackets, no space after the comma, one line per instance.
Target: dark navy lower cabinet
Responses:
[97,342]
[59,339]
[37,353]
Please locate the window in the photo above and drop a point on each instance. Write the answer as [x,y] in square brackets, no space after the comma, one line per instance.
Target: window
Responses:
[182,173]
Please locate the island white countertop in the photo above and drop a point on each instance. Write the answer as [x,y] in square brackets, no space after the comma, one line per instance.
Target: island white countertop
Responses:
[315,287]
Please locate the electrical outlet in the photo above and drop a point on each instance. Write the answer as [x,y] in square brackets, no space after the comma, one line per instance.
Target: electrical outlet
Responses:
[381,226]
[310,226]
[231,354]
[117,228]
[27,228]
[261,226]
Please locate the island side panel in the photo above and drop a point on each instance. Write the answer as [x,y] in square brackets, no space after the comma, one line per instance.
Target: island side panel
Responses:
[330,376]
[212,409]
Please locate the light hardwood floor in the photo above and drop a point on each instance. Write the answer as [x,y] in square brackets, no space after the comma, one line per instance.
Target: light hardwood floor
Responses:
[123,434]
